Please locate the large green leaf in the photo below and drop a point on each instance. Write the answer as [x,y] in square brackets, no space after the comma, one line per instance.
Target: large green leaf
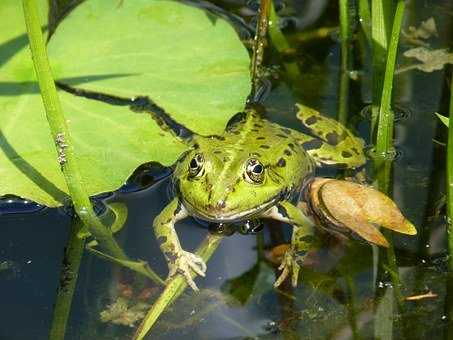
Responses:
[201,81]
[188,62]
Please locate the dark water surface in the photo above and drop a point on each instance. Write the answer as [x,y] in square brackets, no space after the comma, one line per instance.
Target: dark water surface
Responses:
[344,291]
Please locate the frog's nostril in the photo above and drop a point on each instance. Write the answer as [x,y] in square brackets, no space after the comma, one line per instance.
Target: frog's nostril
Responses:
[221,204]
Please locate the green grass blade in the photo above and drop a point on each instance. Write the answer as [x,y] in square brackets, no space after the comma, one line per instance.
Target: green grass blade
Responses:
[384,139]
[381,14]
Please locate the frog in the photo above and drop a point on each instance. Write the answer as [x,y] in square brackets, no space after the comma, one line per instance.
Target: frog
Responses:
[256,169]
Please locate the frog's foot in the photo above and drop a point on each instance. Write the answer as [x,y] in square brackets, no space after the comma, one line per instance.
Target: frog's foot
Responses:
[290,265]
[185,264]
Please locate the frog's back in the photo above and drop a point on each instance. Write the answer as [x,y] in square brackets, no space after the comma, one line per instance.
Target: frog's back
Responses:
[248,134]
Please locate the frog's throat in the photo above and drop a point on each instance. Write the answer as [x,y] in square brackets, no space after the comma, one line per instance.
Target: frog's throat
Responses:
[233,217]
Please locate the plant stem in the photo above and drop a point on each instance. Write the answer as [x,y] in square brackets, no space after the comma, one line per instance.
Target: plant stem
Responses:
[60,134]
[68,279]
[281,44]
[450,181]
[384,139]
[449,299]
[365,18]
[259,44]
[345,39]
[175,286]
[381,12]
[382,125]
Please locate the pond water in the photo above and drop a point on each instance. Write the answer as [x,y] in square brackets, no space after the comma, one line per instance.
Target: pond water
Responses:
[344,292]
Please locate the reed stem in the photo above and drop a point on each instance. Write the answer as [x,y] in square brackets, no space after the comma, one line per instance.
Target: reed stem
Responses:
[68,279]
[175,286]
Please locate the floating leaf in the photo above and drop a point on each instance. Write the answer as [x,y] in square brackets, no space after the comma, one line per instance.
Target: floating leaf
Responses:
[359,208]
[196,68]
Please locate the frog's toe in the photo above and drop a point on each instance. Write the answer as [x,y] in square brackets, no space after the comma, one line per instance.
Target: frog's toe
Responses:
[288,266]
[196,263]
[186,264]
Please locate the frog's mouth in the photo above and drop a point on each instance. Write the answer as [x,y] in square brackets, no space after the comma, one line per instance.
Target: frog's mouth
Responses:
[232,215]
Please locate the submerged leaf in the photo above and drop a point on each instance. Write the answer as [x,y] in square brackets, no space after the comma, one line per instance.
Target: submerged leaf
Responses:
[426,30]
[432,60]
[195,69]
[359,208]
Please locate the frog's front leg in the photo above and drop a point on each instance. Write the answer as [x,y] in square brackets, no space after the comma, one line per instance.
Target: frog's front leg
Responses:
[178,260]
[301,241]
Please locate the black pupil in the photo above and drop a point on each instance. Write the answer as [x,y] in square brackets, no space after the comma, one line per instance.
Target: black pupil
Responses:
[193,163]
[257,169]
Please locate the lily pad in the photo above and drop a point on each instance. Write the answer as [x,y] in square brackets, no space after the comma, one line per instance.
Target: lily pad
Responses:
[194,67]
[111,141]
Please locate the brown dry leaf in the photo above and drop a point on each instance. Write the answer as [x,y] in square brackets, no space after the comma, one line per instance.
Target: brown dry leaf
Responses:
[359,208]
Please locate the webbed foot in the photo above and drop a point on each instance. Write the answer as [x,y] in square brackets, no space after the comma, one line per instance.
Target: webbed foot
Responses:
[290,265]
[185,264]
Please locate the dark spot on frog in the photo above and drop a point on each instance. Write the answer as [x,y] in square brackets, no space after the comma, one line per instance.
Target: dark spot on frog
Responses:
[281,163]
[286,131]
[235,120]
[282,211]
[172,257]
[312,144]
[236,132]
[307,239]
[291,145]
[161,240]
[260,138]
[219,137]
[346,154]
[281,136]
[325,158]
[265,146]
[196,146]
[300,253]
[168,221]
[217,152]
[226,159]
[255,130]
[287,152]
[311,120]
[178,208]
[356,151]
[257,125]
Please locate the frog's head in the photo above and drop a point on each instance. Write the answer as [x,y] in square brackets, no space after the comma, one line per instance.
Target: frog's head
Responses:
[218,183]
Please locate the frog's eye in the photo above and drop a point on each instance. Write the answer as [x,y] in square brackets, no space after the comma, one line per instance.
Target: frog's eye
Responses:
[196,164]
[254,171]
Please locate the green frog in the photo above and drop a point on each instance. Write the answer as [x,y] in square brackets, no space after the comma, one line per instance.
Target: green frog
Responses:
[256,169]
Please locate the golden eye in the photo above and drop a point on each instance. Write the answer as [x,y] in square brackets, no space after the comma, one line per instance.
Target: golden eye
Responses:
[195,165]
[254,171]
